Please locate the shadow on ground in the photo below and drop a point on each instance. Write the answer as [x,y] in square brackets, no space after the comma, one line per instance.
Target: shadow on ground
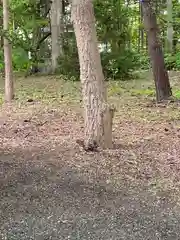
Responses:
[51,189]
[43,200]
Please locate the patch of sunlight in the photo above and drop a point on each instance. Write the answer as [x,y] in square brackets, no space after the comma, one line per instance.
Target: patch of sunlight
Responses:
[177,94]
[142,92]
[1,99]
[115,89]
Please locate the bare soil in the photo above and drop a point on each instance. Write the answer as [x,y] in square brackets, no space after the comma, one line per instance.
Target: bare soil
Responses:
[51,189]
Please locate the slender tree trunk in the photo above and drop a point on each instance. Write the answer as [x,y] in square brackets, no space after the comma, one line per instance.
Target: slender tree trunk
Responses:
[139,28]
[56,32]
[142,29]
[98,114]
[1,38]
[169,44]
[9,90]
[163,89]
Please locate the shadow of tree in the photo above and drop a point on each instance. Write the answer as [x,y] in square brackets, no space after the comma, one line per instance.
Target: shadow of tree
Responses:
[41,199]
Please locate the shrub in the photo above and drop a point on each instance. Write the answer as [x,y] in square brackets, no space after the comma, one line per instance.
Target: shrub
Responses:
[144,61]
[172,61]
[115,65]
[178,61]
[69,65]
[69,61]
[1,61]
[20,59]
[119,65]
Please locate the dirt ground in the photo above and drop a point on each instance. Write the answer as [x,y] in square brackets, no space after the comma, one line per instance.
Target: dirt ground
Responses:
[51,189]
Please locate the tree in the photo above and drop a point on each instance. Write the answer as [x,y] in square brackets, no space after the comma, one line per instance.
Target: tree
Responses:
[170,26]
[1,24]
[163,89]
[98,114]
[9,90]
[56,32]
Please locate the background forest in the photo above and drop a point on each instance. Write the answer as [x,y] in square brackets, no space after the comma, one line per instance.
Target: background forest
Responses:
[121,35]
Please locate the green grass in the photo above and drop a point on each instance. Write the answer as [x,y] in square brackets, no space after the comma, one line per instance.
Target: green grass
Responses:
[46,89]
[143,92]
[132,99]
[177,94]
[134,95]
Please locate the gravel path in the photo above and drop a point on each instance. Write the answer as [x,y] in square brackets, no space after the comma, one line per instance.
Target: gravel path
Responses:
[41,200]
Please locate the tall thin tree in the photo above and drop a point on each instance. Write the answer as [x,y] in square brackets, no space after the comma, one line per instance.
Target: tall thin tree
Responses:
[169,26]
[9,89]
[56,32]
[98,114]
[161,78]
[1,24]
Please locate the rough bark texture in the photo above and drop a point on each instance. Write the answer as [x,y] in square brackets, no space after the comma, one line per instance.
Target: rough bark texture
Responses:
[1,24]
[56,32]
[98,114]
[170,26]
[163,89]
[9,91]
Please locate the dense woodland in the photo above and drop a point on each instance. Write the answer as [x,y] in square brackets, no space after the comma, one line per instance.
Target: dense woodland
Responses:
[120,30]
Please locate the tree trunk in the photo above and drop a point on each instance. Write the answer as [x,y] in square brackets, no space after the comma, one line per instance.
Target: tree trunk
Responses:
[163,89]
[98,114]
[169,27]
[141,30]
[56,32]
[9,90]
[1,37]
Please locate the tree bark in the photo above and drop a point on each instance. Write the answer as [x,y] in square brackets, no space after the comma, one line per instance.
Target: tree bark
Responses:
[1,37]
[98,115]
[9,90]
[169,44]
[56,32]
[163,89]
[1,24]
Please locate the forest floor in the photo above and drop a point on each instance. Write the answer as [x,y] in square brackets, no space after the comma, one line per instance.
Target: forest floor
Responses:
[51,189]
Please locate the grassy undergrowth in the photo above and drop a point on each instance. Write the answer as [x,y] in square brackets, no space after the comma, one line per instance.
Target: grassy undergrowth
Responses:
[148,133]
[136,95]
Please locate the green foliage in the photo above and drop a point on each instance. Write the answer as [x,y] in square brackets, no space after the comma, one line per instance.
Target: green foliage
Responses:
[172,61]
[142,92]
[143,61]
[69,65]
[25,26]
[178,60]
[177,94]
[115,65]
[113,30]
[69,62]
[118,25]
[20,59]
[119,65]
[112,18]
[1,61]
